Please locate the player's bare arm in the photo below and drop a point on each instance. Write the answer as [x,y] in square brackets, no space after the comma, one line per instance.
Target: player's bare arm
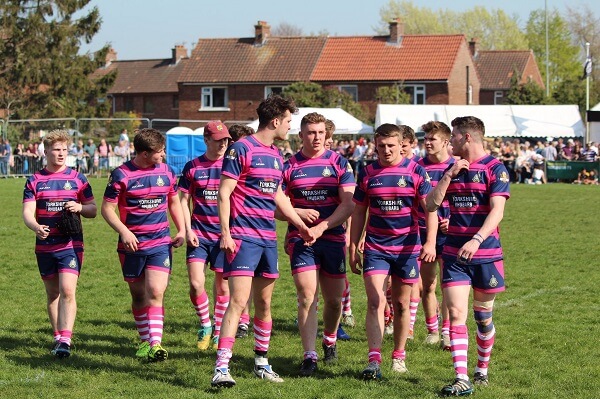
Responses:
[428,253]
[356,232]
[177,216]
[109,213]
[191,237]
[226,187]
[340,215]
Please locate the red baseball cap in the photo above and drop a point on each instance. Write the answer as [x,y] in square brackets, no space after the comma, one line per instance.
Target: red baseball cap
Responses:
[216,130]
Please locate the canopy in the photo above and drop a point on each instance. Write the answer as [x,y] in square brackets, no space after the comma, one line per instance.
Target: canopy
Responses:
[500,120]
[344,122]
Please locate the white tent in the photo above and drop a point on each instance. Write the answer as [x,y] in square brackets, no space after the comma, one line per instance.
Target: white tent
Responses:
[500,120]
[594,118]
[344,122]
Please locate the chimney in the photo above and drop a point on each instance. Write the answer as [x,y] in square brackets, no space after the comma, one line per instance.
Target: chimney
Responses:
[474,47]
[396,32]
[262,30]
[111,56]
[178,53]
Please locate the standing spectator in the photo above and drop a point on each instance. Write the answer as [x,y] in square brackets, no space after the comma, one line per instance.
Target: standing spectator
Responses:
[477,187]
[49,192]
[104,151]
[145,190]
[198,185]
[548,151]
[590,154]
[124,136]
[249,191]
[122,152]
[390,189]
[4,154]
[90,150]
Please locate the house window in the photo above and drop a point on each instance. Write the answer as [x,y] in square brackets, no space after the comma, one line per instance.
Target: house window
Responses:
[352,90]
[148,105]
[273,90]
[214,97]
[417,93]
[129,104]
[175,104]
[498,97]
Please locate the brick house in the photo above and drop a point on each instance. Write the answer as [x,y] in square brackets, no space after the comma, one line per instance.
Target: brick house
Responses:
[227,78]
[146,87]
[496,69]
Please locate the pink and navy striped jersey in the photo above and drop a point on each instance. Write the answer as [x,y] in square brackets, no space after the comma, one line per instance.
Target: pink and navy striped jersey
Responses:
[51,191]
[315,184]
[142,198]
[200,179]
[258,170]
[469,197]
[392,195]
[435,171]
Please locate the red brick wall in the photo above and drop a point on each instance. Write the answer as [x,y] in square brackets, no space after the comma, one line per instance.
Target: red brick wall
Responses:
[243,100]
[457,83]
[163,105]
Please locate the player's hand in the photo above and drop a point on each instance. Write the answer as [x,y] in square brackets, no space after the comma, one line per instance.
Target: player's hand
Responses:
[192,239]
[42,232]
[458,167]
[307,235]
[308,216]
[466,252]
[130,241]
[355,260]
[428,252]
[317,231]
[73,207]
[361,246]
[178,240]
[227,244]
[443,226]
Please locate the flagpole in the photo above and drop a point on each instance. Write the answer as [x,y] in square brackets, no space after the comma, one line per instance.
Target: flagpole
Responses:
[587,95]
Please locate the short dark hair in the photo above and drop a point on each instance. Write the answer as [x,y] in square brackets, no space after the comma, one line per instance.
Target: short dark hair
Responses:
[313,117]
[407,133]
[273,107]
[238,131]
[329,128]
[469,124]
[149,140]
[388,130]
[437,127]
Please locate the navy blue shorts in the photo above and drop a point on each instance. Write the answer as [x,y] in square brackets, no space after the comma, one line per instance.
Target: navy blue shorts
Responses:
[207,253]
[133,266]
[66,261]
[484,277]
[326,256]
[402,267]
[251,259]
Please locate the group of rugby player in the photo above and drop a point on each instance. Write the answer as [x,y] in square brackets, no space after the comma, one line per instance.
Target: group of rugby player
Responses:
[399,219]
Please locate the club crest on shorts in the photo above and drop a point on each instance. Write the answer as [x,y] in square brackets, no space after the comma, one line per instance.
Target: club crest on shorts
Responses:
[413,273]
[493,282]
[326,172]
[402,182]
[167,262]
[67,185]
[160,182]
[73,264]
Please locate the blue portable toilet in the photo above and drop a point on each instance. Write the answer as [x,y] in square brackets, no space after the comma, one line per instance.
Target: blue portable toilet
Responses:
[183,145]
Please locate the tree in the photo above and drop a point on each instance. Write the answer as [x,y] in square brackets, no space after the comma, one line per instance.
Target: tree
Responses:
[528,93]
[392,95]
[285,29]
[495,29]
[41,73]
[585,28]
[564,61]
[308,94]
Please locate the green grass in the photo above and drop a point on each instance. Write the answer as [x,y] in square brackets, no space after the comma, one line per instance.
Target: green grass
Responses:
[547,320]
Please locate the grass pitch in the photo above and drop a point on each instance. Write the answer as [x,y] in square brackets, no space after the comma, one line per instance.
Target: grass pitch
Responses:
[547,320]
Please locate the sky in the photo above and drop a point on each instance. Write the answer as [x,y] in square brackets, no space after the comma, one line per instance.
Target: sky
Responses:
[149,29]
